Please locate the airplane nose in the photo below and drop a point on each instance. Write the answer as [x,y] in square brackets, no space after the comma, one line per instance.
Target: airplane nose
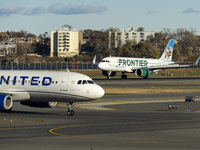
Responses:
[100,65]
[99,92]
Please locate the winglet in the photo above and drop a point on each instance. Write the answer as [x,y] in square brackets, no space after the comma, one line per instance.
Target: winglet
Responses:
[94,60]
[197,61]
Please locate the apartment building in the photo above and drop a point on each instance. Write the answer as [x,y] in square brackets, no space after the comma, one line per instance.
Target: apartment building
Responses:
[66,43]
[119,38]
[9,49]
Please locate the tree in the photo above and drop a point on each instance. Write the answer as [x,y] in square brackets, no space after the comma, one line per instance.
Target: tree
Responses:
[4,36]
[119,51]
[129,48]
[186,40]
[44,46]
[162,38]
[97,41]
[145,49]
[24,48]
[20,34]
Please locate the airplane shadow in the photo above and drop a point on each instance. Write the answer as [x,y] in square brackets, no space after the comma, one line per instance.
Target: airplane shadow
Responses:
[36,113]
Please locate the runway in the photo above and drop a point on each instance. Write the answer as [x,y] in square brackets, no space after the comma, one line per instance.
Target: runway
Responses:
[173,82]
[132,122]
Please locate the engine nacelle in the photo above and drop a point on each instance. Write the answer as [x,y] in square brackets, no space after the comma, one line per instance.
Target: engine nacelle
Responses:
[143,72]
[6,103]
[105,73]
[39,104]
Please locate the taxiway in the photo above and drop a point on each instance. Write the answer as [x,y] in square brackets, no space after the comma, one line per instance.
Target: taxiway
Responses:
[132,122]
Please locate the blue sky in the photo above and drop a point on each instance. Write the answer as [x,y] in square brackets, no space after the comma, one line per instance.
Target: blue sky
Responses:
[41,16]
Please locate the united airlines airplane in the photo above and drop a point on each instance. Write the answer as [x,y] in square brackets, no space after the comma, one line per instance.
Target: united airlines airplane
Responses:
[46,88]
[142,67]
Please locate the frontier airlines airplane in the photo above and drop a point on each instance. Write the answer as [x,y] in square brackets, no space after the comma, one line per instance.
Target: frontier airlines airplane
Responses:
[46,88]
[142,67]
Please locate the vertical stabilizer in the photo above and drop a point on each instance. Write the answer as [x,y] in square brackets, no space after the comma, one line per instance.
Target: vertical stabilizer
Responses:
[167,54]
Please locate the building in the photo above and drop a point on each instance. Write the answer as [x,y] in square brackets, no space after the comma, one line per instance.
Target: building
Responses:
[119,38]
[9,49]
[66,43]
[18,40]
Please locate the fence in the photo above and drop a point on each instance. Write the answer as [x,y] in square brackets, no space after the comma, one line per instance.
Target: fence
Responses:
[47,66]
[58,66]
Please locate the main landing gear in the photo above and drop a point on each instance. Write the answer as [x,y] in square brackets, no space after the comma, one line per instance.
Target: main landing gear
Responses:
[70,112]
[123,76]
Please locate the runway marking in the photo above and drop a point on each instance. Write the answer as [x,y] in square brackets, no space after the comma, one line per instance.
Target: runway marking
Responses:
[53,131]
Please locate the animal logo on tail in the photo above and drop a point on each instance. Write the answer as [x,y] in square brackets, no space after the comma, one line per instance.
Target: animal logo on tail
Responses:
[168,53]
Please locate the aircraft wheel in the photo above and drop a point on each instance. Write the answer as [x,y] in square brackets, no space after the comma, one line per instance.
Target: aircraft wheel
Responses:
[123,76]
[70,112]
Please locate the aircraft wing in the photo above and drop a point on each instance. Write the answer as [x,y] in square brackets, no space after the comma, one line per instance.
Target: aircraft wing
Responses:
[172,66]
[167,66]
[16,94]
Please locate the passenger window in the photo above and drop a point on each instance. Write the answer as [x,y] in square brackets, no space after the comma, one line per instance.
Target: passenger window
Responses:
[79,82]
[84,82]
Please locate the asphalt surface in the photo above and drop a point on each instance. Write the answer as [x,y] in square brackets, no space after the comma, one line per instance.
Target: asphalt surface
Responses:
[132,122]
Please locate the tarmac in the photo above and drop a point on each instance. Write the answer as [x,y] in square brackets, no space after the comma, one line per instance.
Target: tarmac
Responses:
[114,122]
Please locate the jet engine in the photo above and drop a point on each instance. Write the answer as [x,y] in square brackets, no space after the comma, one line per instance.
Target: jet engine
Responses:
[106,73]
[39,104]
[143,72]
[6,103]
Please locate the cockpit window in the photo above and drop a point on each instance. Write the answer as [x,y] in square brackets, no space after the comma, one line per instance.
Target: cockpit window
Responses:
[84,82]
[90,81]
[106,61]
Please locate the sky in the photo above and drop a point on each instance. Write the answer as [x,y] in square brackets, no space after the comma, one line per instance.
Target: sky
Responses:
[40,16]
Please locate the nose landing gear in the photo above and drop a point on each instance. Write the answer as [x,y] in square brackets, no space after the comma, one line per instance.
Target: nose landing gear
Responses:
[70,112]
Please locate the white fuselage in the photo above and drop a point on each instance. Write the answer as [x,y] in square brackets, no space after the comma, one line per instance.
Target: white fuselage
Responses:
[128,64]
[48,86]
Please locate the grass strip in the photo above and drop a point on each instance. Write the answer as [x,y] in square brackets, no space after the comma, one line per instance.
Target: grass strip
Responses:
[111,90]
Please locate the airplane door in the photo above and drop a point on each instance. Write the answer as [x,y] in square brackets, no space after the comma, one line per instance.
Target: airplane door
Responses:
[63,85]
